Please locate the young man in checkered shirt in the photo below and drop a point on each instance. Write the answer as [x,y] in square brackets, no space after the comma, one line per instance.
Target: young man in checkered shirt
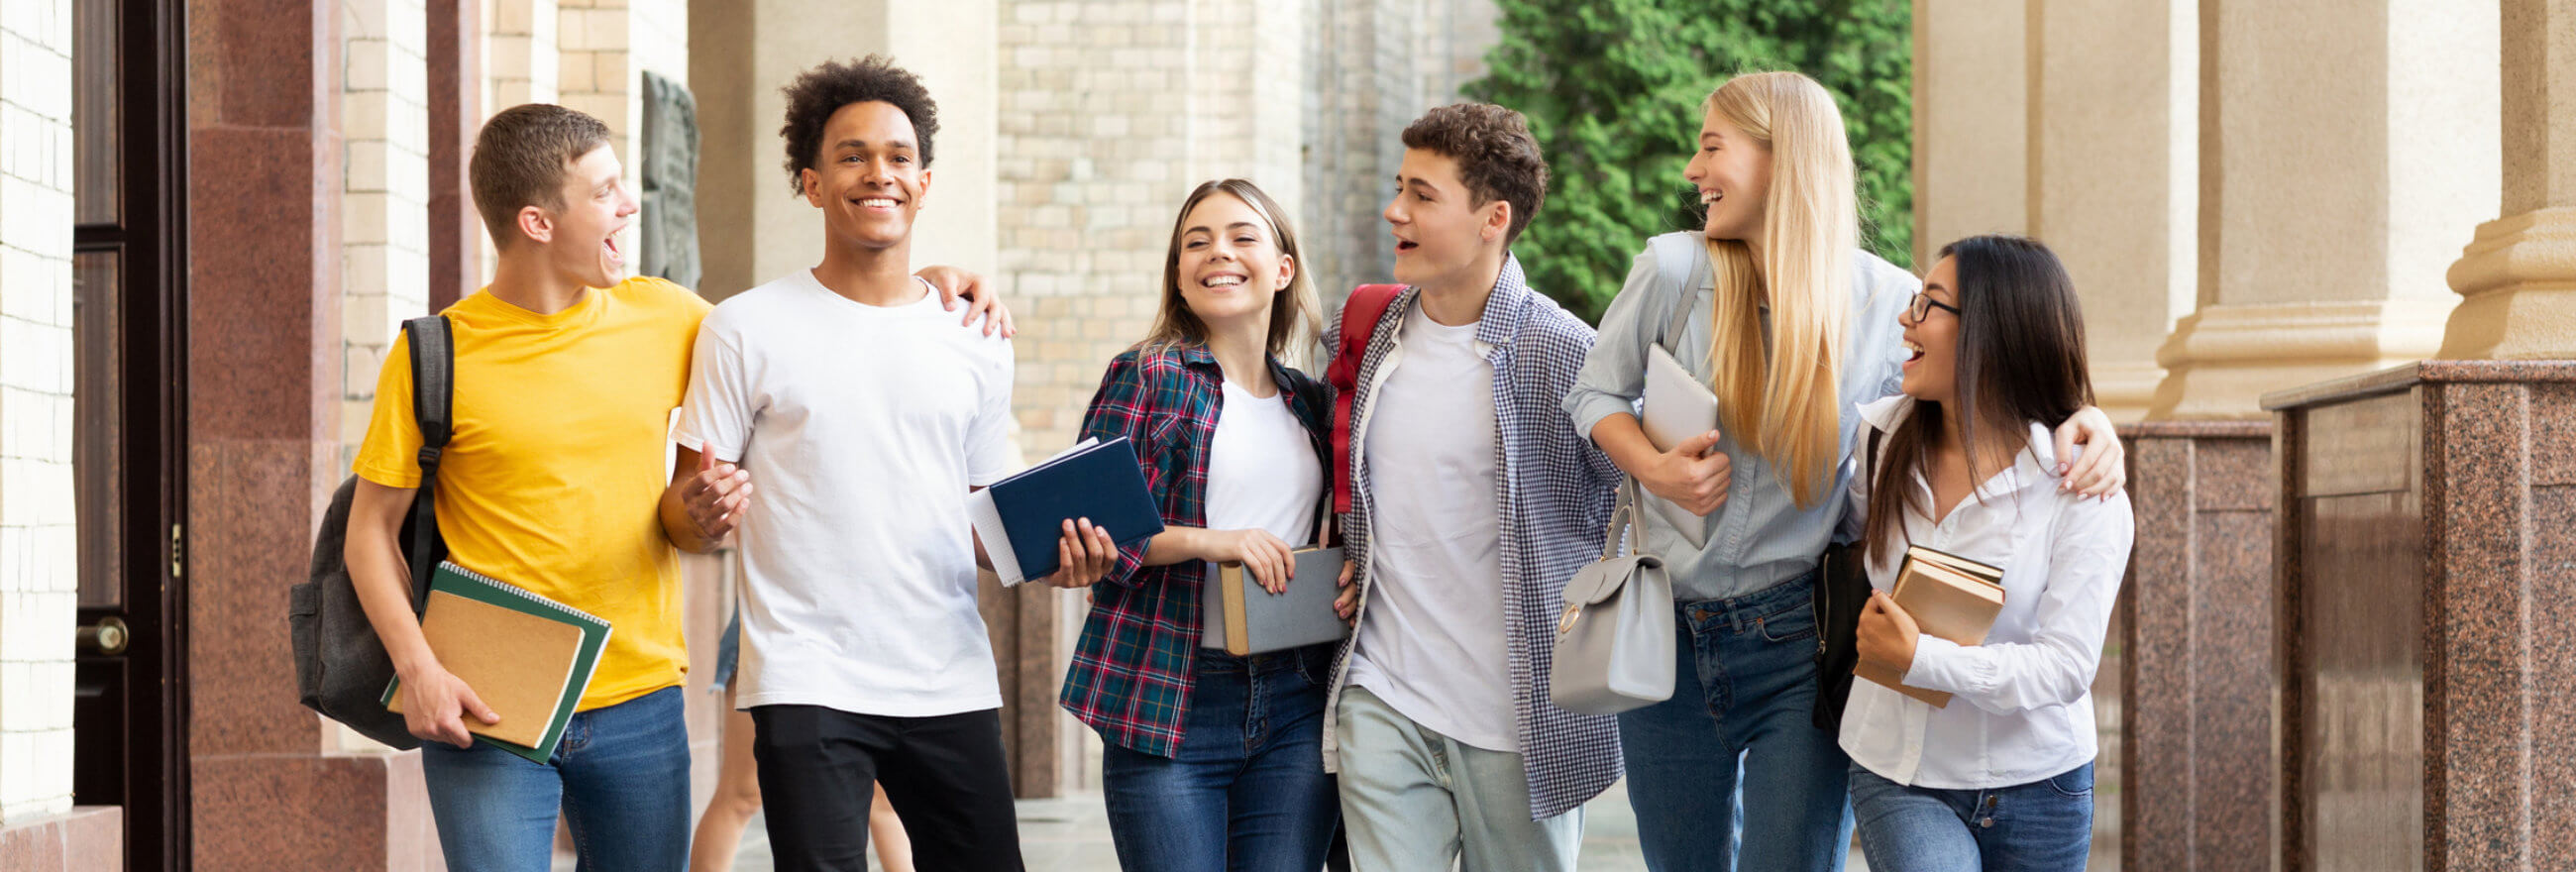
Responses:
[1474,500]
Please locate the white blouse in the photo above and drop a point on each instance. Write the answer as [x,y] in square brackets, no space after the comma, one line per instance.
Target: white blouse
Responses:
[2022,707]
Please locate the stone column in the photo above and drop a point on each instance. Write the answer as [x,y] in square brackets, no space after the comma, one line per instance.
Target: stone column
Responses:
[2518,278]
[2345,151]
[1972,114]
[264,399]
[2425,618]
[456,110]
[2196,766]
[2114,175]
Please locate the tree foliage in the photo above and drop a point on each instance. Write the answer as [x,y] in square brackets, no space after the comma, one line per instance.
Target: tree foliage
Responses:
[1612,89]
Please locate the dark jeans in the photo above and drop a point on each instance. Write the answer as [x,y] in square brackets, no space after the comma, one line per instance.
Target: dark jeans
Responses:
[944,775]
[619,777]
[1247,790]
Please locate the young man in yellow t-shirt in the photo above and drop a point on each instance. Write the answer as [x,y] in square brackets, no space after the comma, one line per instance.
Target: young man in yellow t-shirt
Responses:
[555,480]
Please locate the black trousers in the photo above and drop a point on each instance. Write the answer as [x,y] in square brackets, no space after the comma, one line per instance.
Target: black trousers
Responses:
[945,776]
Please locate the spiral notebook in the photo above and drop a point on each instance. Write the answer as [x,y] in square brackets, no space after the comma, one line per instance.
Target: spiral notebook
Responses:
[528,657]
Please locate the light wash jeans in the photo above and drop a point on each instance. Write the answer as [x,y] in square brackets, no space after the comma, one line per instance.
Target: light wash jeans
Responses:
[620,778]
[2042,826]
[1413,799]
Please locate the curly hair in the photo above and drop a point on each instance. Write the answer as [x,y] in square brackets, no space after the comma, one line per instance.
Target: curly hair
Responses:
[823,90]
[1497,157]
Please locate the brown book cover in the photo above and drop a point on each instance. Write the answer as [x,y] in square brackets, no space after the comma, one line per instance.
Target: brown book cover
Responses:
[515,661]
[1949,596]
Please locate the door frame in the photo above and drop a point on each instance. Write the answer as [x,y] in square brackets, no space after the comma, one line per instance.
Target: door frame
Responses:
[152,233]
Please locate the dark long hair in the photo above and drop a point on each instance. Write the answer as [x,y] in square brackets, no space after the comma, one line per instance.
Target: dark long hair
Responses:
[2021,360]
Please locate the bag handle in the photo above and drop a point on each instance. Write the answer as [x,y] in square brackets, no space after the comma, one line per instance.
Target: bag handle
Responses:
[1623,522]
[433,406]
[1360,314]
[1684,248]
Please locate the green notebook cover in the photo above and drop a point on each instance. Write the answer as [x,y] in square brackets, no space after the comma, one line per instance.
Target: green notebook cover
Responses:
[453,579]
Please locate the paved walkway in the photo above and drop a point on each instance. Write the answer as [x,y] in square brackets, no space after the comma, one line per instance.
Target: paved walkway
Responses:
[1072,835]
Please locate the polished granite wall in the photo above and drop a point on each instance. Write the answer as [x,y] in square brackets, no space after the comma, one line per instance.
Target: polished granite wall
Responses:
[2196,746]
[2427,636]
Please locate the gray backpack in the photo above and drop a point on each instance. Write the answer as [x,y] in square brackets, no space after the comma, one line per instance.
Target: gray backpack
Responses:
[341,668]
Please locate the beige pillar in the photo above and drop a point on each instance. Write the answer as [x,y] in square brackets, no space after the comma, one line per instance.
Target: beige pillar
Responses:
[2345,149]
[2518,279]
[2114,175]
[1972,86]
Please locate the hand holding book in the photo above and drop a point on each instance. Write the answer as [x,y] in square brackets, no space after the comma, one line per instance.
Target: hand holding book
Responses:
[1936,593]
[436,705]
[1887,634]
[1084,555]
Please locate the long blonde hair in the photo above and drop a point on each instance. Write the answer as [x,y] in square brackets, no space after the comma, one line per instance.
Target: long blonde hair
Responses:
[1292,308]
[1787,405]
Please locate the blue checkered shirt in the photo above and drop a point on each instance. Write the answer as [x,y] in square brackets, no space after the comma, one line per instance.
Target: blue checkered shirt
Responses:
[1557,491]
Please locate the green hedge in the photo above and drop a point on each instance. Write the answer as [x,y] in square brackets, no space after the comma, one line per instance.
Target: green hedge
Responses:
[1612,88]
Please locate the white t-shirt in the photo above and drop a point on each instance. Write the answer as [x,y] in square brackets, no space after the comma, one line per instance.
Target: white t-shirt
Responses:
[1262,471]
[863,428]
[1432,642]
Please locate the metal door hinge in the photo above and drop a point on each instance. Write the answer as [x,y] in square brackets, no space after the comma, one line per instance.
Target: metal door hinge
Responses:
[178,550]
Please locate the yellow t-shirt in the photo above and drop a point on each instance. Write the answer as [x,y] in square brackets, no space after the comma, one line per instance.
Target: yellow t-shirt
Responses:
[555,471]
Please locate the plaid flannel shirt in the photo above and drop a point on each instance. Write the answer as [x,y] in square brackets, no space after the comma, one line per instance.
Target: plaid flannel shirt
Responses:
[1131,673]
[1557,492]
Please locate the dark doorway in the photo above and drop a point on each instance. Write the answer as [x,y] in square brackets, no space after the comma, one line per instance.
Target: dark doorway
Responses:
[129,469]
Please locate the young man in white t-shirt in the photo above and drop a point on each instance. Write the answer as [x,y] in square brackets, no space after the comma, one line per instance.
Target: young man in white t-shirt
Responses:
[865,413]
[1474,501]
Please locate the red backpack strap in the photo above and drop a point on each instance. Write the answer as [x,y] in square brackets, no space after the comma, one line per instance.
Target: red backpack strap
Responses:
[1360,315]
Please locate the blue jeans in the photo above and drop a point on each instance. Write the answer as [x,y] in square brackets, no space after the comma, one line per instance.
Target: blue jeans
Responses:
[1247,791]
[620,777]
[1744,691]
[2043,826]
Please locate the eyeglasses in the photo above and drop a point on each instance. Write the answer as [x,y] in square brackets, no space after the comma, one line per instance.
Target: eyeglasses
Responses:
[1923,305]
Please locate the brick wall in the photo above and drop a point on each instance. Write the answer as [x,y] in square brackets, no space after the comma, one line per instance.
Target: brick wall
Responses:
[384,235]
[38,574]
[1111,110]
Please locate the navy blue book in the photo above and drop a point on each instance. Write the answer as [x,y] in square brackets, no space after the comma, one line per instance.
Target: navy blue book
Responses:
[1021,518]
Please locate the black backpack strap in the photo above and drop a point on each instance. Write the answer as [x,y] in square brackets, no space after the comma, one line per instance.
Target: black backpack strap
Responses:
[433,406]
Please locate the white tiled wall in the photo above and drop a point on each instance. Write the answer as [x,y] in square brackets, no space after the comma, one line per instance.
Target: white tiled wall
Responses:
[385,192]
[38,574]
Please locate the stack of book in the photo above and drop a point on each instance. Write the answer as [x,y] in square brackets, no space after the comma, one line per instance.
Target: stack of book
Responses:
[527,657]
[1949,596]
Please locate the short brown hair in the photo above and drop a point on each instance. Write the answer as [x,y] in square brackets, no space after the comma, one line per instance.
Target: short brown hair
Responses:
[520,159]
[1497,157]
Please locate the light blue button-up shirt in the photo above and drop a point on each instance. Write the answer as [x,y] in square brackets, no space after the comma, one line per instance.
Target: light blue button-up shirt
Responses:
[1760,537]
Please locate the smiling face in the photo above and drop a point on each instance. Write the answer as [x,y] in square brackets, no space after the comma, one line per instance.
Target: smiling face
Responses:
[868,179]
[1932,370]
[1732,172]
[1228,264]
[580,238]
[1440,234]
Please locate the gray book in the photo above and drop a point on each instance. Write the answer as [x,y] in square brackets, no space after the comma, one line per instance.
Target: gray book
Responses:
[1237,615]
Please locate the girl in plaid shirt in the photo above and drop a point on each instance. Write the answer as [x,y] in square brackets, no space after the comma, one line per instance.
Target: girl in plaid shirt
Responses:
[1213,761]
